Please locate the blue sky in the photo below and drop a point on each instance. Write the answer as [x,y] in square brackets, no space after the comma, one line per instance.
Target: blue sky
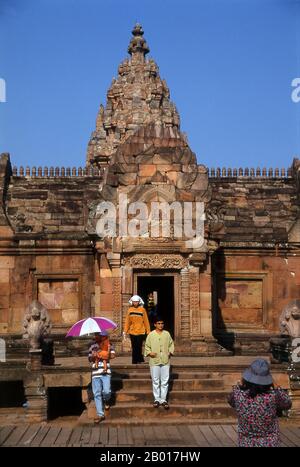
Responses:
[229,65]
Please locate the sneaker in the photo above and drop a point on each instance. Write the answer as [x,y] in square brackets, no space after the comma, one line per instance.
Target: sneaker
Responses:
[165,405]
[155,404]
[99,419]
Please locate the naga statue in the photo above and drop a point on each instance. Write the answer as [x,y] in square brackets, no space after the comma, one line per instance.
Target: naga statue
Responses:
[289,326]
[37,326]
[289,321]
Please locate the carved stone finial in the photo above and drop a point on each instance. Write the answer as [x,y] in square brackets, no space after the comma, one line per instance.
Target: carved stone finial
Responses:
[37,324]
[289,321]
[138,43]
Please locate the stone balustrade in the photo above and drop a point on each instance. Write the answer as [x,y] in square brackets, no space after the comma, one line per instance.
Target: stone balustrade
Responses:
[53,172]
[226,172]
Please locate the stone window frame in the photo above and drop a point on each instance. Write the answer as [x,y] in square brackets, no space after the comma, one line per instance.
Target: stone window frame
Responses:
[267,297]
[60,276]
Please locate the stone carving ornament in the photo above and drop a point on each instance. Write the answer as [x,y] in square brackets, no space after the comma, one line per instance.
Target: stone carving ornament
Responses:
[289,320]
[37,324]
[156,261]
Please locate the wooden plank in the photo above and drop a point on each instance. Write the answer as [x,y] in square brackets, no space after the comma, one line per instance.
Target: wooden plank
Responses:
[186,435]
[122,436]
[198,436]
[173,435]
[229,430]
[160,435]
[286,440]
[51,436]
[63,437]
[16,435]
[225,440]
[40,436]
[291,436]
[282,445]
[210,436]
[103,438]
[30,435]
[75,436]
[85,436]
[149,436]
[138,436]
[295,430]
[112,436]
[95,436]
[232,431]
[129,436]
[5,432]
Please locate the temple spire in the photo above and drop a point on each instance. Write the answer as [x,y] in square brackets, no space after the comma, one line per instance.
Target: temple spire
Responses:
[138,47]
[137,98]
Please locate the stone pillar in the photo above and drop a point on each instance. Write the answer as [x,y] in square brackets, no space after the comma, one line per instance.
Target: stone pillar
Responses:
[105,289]
[206,301]
[114,260]
[35,363]
[194,302]
[295,410]
[185,316]
[127,292]
[201,305]
[35,392]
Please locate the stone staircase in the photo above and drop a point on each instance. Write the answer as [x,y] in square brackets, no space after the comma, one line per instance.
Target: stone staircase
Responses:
[196,396]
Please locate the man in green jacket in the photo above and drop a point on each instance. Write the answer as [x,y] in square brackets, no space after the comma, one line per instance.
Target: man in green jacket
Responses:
[159,347]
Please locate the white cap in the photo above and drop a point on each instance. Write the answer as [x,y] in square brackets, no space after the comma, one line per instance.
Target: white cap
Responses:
[136,298]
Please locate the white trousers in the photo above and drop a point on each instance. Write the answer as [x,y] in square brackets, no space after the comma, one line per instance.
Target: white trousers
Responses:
[160,382]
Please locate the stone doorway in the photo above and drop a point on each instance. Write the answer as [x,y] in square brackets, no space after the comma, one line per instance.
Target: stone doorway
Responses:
[164,286]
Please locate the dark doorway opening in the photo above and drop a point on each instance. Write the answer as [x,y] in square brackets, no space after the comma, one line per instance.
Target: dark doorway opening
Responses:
[64,401]
[164,287]
[12,394]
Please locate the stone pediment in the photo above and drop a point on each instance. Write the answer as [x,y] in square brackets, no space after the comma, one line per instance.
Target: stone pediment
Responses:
[146,160]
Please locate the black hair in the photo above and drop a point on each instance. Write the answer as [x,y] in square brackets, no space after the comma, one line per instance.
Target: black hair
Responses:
[157,318]
[255,389]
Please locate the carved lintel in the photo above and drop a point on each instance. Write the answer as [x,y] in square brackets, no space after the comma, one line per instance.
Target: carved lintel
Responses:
[156,261]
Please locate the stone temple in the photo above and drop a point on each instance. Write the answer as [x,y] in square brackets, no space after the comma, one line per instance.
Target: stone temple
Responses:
[225,294]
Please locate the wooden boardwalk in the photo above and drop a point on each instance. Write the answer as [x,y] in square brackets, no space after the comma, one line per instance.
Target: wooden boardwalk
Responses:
[47,435]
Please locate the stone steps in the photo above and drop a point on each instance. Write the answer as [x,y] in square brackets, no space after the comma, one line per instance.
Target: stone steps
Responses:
[187,411]
[193,397]
[173,376]
[179,385]
[146,414]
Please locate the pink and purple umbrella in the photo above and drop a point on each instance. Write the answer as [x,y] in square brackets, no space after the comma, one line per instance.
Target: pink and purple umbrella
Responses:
[91,325]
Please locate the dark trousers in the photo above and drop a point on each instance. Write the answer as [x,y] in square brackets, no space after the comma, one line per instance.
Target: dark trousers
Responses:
[136,345]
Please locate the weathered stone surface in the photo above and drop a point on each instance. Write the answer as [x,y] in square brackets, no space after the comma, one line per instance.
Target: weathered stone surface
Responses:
[137,97]
[49,242]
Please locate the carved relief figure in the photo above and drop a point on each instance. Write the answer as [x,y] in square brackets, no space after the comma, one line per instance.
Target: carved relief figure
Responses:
[289,321]
[37,324]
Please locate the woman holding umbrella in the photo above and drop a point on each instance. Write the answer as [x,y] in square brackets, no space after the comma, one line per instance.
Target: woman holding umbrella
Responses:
[101,372]
[100,352]
[137,326]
